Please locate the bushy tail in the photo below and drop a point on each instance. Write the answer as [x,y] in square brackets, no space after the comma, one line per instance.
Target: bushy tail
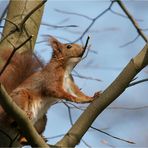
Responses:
[21,66]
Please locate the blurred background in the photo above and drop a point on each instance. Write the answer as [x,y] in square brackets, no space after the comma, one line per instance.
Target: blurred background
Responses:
[113,42]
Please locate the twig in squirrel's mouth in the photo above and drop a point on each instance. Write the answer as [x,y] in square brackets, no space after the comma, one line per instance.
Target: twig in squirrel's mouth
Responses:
[85,47]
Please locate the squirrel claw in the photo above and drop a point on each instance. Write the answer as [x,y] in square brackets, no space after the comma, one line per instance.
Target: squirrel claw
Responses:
[97,94]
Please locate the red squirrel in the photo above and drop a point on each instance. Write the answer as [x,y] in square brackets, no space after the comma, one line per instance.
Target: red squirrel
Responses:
[54,82]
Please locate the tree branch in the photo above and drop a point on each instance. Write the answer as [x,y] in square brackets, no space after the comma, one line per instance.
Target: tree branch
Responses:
[118,86]
[30,27]
[131,18]
[25,124]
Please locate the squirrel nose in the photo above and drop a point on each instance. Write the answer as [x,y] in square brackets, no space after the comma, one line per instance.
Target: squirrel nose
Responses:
[83,51]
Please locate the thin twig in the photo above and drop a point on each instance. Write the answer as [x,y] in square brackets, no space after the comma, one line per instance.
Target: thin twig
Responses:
[31,12]
[38,60]
[124,16]
[7,40]
[15,138]
[128,108]
[112,135]
[12,54]
[58,26]
[57,136]
[132,41]
[69,113]
[131,18]
[74,106]
[73,13]
[59,37]
[70,117]
[11,32]
[137,82]
[86,143]
[93,21]
[9,21]
[86,43]
[84,77]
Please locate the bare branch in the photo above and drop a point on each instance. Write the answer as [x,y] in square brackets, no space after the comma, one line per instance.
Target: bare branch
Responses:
[112,135]
[9,21]
[137,82]
[73,13]
[86,143]
[132,41]
[131,18]
[59,37]
[93,21]
[128,108]
[84,77]
[119,14]
[58,26]
[99,130]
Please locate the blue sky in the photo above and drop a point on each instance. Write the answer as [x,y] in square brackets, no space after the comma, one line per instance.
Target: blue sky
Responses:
[108,34]
[105,62]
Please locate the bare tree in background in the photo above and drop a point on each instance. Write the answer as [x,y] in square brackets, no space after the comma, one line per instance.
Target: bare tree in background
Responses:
[19,35]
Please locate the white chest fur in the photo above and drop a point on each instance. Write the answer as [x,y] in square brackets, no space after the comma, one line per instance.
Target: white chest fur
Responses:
[40,107]
[67,84]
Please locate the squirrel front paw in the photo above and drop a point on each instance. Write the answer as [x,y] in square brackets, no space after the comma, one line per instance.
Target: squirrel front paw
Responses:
[97,94]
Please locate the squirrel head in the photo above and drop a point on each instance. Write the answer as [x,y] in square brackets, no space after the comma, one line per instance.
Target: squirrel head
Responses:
[68,54]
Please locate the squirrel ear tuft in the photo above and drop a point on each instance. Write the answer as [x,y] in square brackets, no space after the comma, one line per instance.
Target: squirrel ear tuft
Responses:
[55,44]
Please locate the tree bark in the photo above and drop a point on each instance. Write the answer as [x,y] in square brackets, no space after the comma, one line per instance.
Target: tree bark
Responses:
[19,26]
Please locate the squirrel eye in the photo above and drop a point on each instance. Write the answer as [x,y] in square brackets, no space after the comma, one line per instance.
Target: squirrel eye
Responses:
[69,46]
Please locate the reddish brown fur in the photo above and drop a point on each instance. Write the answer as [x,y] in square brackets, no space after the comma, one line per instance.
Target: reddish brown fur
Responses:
[20,67]
[37,93]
